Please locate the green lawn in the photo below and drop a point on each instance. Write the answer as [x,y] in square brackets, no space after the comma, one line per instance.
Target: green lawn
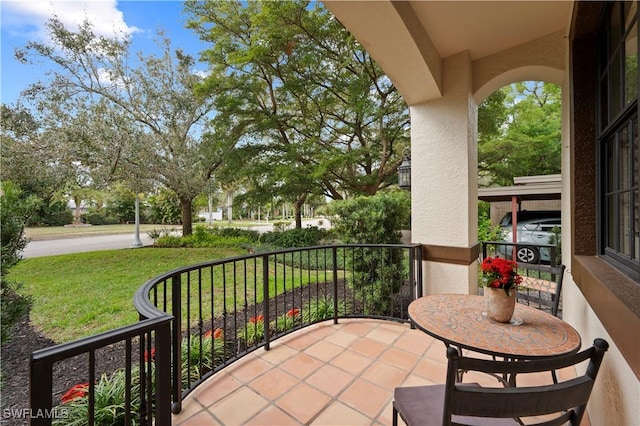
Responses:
[77,295]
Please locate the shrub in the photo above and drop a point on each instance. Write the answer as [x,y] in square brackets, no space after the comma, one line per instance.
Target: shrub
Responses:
[99,218]
[14,211]
[293,238]
[374,220]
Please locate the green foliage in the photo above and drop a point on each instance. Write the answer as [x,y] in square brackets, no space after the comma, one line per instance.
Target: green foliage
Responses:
[50,214]
[14,212]
[485,231]
[374,220]
[164,208]
[99,217]
[292,238]
[253,331]
[109,402]
[121,204]
[523,138]
[204,236]
[322,308]
[199,355]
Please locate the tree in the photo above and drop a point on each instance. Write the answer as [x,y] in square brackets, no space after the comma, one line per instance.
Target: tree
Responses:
[151,98]
[309,99]
[524,138]
[14,211]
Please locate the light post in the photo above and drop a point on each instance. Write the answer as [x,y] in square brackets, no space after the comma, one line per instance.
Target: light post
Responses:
[136,241]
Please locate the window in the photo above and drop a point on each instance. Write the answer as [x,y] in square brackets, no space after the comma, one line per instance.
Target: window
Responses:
[619,149]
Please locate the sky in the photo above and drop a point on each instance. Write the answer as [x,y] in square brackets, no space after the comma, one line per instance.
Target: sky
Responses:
[22,21]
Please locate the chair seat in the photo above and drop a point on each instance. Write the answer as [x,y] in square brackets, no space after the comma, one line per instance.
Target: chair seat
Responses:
[422,406]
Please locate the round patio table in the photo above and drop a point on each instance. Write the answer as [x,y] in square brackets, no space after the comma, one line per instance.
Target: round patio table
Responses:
[458,320]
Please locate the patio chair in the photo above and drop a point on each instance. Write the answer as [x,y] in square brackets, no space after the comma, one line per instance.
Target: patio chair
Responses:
[457,403]
[543,289]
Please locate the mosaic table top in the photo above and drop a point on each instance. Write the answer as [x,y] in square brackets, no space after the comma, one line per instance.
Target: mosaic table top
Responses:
[458,320]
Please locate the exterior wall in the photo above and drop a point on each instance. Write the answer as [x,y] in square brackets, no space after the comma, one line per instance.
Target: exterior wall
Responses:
[444,191]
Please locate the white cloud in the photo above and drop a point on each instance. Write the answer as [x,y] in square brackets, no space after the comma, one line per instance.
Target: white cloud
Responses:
[27,18]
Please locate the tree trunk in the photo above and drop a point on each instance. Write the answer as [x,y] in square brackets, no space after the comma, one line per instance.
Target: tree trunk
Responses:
[185,203]
[77,220]
[298,210]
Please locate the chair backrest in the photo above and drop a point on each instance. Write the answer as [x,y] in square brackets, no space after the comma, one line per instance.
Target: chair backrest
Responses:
[541,286]
[559,403]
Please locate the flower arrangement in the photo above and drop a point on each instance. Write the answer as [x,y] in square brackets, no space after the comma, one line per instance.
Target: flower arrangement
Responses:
[500,273]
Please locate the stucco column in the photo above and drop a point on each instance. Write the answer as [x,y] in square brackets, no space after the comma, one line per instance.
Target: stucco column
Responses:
[444,181]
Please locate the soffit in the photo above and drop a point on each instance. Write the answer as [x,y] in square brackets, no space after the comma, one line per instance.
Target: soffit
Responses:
[410,39]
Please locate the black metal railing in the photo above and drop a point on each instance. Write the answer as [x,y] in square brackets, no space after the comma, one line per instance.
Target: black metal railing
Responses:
[145,391]
[225,309]
[198,319]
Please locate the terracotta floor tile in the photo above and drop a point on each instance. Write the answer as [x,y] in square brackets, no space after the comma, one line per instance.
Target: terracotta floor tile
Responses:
[368,347]
[414,341]
[384,375]
[340,414]
[400,358]
[359,328]
[217,387]
[248,370]
[384,335]
[271,416]
[354,386]
[239,407]
[341,338]
[277,354]
[301,365]
[200,419]
[324,350]
[301,341]
[274,383]
[190,407]
[330,379]
[352,362]
[303,402]
[366,397]
[432,370]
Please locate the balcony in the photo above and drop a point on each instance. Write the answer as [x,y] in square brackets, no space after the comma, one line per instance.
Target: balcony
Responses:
[302,336]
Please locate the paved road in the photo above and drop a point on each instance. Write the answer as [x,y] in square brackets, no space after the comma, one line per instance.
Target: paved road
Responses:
[82,244]
[111,242]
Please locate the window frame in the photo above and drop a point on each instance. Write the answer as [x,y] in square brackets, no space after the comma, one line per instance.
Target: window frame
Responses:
[611,57]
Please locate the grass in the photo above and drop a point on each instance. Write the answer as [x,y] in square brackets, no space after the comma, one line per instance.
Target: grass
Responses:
[81,294]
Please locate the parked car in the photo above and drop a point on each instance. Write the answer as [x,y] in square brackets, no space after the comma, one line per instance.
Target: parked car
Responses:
[541,228]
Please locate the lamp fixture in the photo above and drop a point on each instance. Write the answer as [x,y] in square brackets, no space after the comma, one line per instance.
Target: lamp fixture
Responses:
[404,170]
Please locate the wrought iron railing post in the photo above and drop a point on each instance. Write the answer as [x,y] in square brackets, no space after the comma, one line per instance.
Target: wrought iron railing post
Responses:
[334,258]
[40,396]
[163,381]
[265,295]
[176,311]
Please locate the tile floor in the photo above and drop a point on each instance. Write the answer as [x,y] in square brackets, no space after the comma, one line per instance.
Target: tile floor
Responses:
[326,374]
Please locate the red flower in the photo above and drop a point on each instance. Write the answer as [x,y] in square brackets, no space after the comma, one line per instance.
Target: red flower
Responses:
[501,273]
[293,312]
[77,391]
[255,320]
[152,357]
[217,333]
